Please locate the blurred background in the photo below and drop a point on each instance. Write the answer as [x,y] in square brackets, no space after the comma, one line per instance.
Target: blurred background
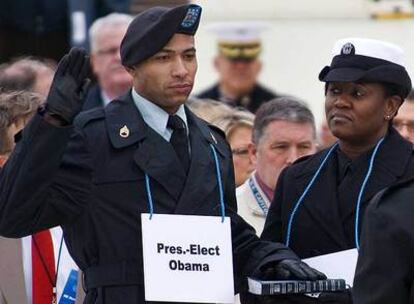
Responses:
[301,35]
[295,47]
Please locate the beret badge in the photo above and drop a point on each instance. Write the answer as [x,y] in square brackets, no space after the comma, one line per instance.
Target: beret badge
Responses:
[191,17]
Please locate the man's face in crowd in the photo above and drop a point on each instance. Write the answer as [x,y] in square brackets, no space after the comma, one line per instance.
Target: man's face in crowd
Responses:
[281,144]
[167,77]
[404,121]
[237,76]
[106,60]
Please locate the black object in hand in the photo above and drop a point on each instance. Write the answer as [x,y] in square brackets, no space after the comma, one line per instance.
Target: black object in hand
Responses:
[293,269]
[69,85]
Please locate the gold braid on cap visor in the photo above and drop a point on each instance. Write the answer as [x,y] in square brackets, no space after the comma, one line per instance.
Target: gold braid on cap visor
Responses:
[240,50]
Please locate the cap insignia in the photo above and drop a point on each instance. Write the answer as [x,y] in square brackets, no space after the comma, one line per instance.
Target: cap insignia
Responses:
[348,49]
[191,17]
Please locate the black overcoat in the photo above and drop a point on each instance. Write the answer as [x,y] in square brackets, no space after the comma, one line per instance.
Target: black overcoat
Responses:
[318,227]
[90,180]
[385,268]
[93,98]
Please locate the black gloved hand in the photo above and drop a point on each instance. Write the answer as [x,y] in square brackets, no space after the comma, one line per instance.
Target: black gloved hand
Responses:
[293,269]
[69,86]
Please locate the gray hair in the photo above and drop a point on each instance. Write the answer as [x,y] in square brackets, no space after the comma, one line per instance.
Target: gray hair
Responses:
[15,106]
[111,20]
[281,109]
[22,73]
[208,109]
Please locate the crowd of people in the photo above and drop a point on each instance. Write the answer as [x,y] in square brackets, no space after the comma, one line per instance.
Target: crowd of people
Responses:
[91,142]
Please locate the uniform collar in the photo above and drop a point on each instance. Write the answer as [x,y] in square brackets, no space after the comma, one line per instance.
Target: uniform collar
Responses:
[393,156]
[124,114]
[155,117]
[105,98]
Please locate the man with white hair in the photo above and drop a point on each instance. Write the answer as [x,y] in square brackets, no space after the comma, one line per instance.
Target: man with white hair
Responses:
[113,80]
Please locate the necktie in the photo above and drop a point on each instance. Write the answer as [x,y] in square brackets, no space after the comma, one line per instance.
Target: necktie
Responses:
[179,140]
[43,268]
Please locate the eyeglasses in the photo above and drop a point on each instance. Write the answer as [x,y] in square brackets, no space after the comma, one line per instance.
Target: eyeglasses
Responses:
[242,152]
[399,125]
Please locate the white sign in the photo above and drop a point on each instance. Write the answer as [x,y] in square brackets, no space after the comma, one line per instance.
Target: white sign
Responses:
[187,258]
[338,265]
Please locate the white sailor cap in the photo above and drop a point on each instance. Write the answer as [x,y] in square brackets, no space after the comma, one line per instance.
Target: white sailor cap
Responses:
[367,60]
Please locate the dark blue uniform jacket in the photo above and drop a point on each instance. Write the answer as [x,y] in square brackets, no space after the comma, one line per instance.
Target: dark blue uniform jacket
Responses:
[90,180]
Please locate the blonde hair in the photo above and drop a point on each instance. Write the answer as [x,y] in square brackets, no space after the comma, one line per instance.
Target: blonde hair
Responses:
[230,122]
[208,109]
[14,107]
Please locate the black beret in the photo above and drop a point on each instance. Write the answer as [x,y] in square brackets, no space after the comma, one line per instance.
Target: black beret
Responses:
[151,30]
[367,60]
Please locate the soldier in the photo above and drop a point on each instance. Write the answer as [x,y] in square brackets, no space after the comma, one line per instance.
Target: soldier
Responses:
[143,153]
[238,66]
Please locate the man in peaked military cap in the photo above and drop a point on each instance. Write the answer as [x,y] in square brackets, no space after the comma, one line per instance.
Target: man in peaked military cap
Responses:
[94,180]
[238,65]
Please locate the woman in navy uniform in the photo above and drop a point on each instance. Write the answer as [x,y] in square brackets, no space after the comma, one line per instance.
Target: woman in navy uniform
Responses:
[320,200]
[92,176]
[365,85]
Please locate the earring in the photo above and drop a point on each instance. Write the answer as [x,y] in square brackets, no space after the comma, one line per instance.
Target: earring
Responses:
[387,117]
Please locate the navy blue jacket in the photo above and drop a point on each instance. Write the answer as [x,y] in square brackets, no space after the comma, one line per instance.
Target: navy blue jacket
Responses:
[325,221]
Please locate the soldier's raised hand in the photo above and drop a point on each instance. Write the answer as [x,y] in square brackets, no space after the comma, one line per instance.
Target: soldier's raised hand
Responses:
[69,86]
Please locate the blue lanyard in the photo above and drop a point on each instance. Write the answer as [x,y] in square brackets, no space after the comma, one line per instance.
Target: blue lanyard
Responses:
[364,183]
[219,182]
[358,204]
[259,198]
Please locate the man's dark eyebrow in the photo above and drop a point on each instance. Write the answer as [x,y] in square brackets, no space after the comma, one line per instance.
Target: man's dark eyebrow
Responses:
[190,50]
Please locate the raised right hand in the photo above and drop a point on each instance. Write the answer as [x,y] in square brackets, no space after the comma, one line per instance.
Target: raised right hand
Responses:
[69,86]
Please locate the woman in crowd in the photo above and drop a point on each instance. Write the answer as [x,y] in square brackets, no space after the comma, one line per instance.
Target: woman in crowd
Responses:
[208,109]
[16,108]
[238,127]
